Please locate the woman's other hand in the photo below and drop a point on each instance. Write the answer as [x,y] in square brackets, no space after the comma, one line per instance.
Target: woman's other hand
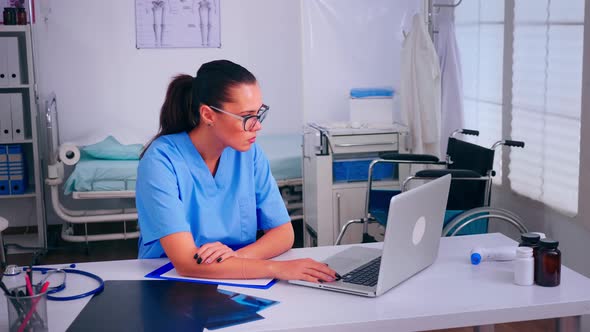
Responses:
[215,252]
[305,269]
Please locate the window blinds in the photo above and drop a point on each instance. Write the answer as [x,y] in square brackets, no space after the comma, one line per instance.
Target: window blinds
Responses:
[480,36]
[546,101]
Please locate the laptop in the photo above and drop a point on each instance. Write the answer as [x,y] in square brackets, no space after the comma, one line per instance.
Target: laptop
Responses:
[412,237]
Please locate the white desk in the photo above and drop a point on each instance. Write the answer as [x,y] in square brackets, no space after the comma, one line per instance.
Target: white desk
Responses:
[450,293]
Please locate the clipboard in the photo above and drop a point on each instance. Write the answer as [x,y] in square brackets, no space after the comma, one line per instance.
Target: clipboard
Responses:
[167,272]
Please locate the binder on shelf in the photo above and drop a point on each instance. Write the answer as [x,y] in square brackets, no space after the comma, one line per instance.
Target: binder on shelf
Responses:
[15,153]
[5,118]
[16,168]
[4,183]
[13,61]
[3,154]
[17,177]
[18,184]
[3,60]
[18,121]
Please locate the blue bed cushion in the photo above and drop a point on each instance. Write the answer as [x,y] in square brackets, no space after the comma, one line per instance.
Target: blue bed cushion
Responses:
[284,154]
[102,175]
[371,93]
[111,149]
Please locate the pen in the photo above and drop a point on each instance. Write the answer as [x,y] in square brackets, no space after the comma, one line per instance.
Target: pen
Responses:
[29,286]
[30,273]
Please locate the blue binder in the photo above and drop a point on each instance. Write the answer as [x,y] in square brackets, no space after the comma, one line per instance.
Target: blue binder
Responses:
[17,174]
[18,184]
[4,182]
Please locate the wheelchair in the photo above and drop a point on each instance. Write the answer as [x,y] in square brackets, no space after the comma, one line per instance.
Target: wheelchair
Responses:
[468,207]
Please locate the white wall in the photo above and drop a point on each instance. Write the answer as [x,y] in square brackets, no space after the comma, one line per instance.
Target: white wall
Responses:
[105,86]
[348,44]
[86,54]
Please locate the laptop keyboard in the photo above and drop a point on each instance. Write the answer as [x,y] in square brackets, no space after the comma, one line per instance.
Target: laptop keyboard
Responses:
[366,275]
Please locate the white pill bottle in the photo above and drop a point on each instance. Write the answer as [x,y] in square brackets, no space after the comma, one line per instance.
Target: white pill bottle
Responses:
[524,267]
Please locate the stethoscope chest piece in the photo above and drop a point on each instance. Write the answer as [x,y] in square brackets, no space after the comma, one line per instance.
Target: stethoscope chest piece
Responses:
[12,270]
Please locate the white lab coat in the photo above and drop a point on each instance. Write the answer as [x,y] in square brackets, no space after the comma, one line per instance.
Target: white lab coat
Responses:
[451,76]
[420,90]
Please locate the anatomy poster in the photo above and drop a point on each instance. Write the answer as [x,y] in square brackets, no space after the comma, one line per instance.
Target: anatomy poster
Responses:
[177,23]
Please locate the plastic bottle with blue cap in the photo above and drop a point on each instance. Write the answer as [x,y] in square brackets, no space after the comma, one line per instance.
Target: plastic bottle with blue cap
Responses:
[478,255]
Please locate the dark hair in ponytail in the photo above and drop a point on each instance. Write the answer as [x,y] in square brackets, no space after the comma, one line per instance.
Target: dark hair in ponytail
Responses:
[185,94]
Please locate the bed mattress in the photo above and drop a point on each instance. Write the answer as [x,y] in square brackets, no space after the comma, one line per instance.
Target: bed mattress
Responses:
[102,175]
[284,154]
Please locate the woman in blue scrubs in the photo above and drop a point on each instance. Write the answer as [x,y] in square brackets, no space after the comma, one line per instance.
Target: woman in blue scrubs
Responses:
[204,187]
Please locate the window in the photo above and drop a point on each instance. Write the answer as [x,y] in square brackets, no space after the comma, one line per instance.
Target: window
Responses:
[546,81]
[546,101]
[480,36]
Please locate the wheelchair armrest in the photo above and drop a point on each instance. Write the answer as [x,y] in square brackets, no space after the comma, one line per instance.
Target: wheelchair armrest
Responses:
[407,157]
[470,132]
[455,173]
[517,144]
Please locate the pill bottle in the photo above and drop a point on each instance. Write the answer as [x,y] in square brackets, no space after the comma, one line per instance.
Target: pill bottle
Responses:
[548,263]
[21,16]
[530,240]
[524,266]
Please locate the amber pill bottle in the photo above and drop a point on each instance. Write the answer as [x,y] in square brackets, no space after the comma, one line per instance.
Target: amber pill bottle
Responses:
[548,263]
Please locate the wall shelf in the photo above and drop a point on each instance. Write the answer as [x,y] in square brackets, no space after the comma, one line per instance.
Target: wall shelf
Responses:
[14,28]
[28,194]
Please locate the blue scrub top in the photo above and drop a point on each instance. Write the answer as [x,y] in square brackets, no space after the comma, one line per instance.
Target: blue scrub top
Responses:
[176,192]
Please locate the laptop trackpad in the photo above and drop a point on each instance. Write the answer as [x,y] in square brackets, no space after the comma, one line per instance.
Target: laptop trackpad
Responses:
[352,258]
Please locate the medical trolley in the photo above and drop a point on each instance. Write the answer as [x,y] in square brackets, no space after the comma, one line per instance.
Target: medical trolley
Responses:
[336,160]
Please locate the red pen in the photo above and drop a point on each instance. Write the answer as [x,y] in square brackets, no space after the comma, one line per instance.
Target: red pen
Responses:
[44,287]
[29,286]
[33,307]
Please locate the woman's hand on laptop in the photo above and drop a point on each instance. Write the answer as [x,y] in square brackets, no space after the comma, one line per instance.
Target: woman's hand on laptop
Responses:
[305,269]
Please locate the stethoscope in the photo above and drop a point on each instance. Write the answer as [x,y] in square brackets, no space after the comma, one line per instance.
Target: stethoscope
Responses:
[52,290]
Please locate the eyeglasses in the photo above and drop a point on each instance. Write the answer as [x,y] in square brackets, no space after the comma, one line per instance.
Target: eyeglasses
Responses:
[248,121]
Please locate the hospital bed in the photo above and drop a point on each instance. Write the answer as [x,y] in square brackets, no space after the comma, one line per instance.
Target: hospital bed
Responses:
[285,156]
[90,181]
[99,180]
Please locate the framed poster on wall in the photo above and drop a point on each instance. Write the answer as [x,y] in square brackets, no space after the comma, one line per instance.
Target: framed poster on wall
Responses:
[177,23]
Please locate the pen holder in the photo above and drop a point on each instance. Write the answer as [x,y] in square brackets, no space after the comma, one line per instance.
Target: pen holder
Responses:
[26,313]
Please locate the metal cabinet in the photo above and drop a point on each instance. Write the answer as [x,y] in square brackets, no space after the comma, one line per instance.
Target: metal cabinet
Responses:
[330,198]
